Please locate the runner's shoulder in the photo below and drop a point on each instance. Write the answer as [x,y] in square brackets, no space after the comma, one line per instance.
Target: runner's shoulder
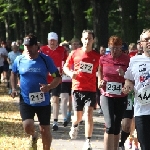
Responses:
[137,58]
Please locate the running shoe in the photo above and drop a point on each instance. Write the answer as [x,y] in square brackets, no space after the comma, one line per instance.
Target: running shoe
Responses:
[55,126]
[87,146]
[129,142]
[100,111]
[135,146]
[73,132]
[121,147]
[65,123]
[33,143]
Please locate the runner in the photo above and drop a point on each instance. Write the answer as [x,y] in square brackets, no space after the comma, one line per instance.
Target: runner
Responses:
[137,77]
[11,57]
[3,56]
[58,54]
[33,68]
[66,88]
[128,122]
[85,62]
[113,101]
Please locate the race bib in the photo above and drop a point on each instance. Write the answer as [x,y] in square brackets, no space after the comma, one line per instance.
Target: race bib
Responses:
[143,97]
[129,106]
[86,67]
[113,88]
[65,77]
[36,97]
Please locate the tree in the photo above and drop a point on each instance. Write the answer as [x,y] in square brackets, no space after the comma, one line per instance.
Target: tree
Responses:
[66,19]
[129,10]
[80,23]
[100,21]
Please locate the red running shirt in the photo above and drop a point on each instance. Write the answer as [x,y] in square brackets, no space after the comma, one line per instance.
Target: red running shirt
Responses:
[58,55]
[114,82]
[87,64]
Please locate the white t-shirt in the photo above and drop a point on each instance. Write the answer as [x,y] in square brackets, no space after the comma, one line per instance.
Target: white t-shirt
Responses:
[139,71]
[3,51]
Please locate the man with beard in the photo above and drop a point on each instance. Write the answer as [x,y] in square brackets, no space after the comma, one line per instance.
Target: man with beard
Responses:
[138,78]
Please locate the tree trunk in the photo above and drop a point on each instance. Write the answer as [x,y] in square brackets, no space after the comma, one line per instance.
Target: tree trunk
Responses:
[100,21]
[78,8]
[66,19]
[129,20]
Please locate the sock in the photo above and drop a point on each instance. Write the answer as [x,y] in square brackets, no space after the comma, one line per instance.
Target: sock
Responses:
[87,139]
[65,120]
[69,114]
[75,125]
[124,136]
[55,120]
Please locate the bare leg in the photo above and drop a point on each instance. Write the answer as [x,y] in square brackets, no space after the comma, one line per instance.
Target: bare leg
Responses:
[108,141]
[46,136]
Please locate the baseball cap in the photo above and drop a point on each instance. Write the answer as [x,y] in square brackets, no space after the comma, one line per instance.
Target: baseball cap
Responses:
[30,41]
[52,35]
[124,47]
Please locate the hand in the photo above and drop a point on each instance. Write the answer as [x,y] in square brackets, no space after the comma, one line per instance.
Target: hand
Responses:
[44,88]
[14,93]
[74,74]
[101,83]
[128,87]
[120,71]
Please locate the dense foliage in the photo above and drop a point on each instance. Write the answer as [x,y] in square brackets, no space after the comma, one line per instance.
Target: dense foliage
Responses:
[68,18]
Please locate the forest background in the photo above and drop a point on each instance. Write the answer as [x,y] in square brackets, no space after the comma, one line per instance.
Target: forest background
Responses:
[68,18]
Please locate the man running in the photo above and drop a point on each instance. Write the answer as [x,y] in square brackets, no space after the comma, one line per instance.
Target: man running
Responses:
[58,54]
[85,62]
[33,68]
[138,78]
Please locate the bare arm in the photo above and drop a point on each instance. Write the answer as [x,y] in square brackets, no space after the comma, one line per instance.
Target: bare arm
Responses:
[67,70]
[128,86]
[101,82]
[13,81]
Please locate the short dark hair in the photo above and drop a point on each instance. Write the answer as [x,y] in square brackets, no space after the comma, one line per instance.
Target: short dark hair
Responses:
[89,32]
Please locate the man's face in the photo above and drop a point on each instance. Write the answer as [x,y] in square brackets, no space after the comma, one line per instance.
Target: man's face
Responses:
[145,42]
[102,50]
[75,45]
[31,50]
[87,40]
[53,43]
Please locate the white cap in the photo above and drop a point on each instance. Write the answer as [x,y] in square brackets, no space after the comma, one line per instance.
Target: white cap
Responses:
[13,43]
[52,35]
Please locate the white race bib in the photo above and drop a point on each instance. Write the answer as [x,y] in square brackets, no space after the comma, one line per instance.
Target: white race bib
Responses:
[129,106]
[36,97]
[86,67]
[66,77]
[113,88]
[143,97]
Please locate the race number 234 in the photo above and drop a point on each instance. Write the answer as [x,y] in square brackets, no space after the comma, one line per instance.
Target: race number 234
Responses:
[114,88]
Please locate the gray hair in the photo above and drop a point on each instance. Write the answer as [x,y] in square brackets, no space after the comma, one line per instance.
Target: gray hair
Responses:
[144,31]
